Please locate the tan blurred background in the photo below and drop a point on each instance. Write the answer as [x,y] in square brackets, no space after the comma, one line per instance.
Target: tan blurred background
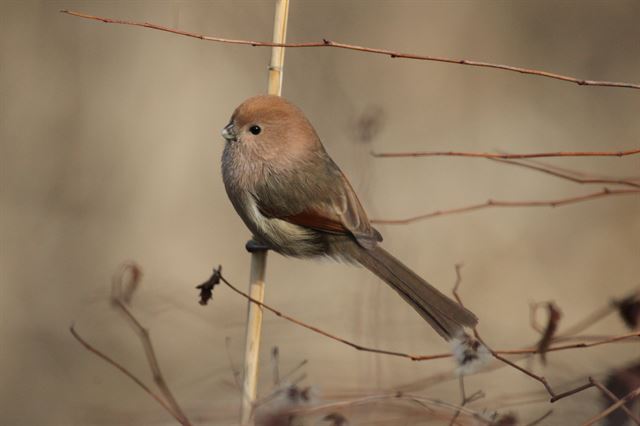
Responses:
[110,146]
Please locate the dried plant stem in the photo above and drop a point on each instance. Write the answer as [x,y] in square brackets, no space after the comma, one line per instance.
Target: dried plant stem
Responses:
[418,399]
[385,52]
[614,399]
[259,258]
[571,176]
[531,350]
[506,156]
[329,335]
[120,296]
[540,419]
[559,202]
[629,397]
[127,373]
[253,333]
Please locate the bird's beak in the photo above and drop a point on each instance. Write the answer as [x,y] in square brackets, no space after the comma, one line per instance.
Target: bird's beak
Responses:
[229,132]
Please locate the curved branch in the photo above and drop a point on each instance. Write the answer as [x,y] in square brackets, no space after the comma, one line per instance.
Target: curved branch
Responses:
[496,203]
[506,156]
[385,52]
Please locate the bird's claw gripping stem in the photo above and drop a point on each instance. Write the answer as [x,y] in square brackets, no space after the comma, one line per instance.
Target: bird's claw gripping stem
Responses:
[254,246]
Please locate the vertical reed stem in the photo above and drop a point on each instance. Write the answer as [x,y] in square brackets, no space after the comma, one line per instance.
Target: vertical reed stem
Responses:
[259,259]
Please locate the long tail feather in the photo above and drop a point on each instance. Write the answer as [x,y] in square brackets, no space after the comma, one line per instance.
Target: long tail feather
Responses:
[446,316]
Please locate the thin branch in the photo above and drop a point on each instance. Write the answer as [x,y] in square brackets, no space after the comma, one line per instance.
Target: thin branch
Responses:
[334,44]
[629,397]
[127,373]
[549,332]
[571,392]
[464,399]
[614,399]
[559,202]
[588,321]
[531,350]
[539,349]
[423,401]
[121,294]
[540,419]
[327,334]
[604,341]
[506,156]
[570,175]
[568,334]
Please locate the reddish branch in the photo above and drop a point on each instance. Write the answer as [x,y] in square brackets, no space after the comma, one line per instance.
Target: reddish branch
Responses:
[385,52]
[570,175]
[497,203]
[531,350]
[126,372]
[506,156]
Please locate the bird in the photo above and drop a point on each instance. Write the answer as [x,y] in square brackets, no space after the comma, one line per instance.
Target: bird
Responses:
[297,202]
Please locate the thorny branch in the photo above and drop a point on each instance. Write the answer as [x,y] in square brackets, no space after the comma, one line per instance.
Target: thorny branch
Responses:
[506,156]
[338,45]
[558,202]
[570,175]
[542,348]
[554,318]
[217,277]
[573,176]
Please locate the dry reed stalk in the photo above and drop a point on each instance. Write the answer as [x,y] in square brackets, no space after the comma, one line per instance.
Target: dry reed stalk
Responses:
[259,258]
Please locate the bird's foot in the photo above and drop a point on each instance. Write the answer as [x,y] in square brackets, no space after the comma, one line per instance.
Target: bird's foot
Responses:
[254,246]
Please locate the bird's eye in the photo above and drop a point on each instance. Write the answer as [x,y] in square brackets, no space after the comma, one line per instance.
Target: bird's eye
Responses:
[255,130]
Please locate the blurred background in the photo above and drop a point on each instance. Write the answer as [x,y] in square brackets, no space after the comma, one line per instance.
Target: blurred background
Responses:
[110,148]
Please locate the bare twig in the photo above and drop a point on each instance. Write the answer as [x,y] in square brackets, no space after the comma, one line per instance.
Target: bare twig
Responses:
[458,267]
[234,369]
[629,397]
[549,331]
[568,334]
[372,399]
[559,202]
[127,373]
[464,399]
[573,176]
[385,52]
[611,339]
[506,156]
[542,348]
[570,392]
[531,350]
[120,295]
[614,399]
[540,419]
[327,334]
[533,310]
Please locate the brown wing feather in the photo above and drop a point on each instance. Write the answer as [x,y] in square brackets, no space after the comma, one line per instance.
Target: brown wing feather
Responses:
[337,211]
[315,220]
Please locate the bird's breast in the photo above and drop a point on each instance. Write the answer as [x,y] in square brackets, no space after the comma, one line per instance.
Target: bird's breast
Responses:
[241,178]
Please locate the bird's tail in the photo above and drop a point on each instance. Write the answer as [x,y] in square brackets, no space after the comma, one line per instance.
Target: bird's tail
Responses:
[443,314]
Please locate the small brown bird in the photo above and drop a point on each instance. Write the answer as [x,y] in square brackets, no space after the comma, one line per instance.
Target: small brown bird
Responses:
[297,202]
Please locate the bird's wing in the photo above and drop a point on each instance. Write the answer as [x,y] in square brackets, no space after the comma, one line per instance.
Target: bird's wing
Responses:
[333,207]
